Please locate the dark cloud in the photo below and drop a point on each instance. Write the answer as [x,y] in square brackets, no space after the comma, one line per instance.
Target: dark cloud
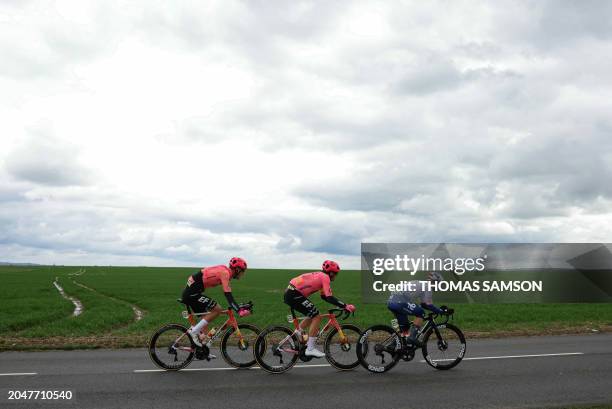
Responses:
[562,22]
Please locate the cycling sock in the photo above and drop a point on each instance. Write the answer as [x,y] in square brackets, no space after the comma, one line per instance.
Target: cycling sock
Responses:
[198,327]
[311,342]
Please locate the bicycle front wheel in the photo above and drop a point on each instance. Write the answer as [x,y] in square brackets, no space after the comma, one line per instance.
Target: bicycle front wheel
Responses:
[444,346]
[237,350]
[277,349]
[379,348]
[341,352]
[171,347]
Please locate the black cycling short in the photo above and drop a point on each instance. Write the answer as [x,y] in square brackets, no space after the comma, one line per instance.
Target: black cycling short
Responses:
[298,302]
[197,301]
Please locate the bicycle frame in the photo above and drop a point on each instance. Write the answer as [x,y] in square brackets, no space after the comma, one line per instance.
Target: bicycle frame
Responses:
[332,322]
[230,322]
[429,322]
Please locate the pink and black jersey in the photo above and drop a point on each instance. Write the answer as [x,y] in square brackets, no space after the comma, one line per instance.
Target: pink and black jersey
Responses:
[210,277]
[309,283]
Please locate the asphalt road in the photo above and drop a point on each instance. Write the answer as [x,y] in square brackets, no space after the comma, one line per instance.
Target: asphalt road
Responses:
[499,373]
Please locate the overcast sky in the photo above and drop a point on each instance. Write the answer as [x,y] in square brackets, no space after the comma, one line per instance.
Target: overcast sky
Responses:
[178,133]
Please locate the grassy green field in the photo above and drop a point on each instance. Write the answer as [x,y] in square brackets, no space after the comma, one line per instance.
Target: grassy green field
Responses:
[34,315]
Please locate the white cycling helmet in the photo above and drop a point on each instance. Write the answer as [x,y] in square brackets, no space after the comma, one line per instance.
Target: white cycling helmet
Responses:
[435,276]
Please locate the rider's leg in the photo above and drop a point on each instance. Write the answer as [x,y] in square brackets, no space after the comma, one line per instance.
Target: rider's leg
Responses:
[401,317]
[214,313]
[418,312]
[206,319]
[314,327]
[416,326]
[312,337]
[301,304]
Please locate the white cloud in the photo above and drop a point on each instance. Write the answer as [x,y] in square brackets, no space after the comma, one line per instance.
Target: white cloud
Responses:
[183,134]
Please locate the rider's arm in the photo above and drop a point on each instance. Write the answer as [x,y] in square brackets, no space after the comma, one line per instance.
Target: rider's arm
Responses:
[432,308]
[227,290]
[427,302]
[326,292]
[333,300]
[230,300]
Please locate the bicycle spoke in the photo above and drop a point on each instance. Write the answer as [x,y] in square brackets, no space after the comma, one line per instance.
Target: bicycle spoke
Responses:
[379,349]
[236,349]
[341,350]
[276,349]
[446,350]
[170,349]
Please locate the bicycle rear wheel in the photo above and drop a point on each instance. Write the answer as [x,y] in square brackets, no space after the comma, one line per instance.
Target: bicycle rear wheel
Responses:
[238,350]
[342,353]
[277,349]
[379,348]
[444,348]
[171,347]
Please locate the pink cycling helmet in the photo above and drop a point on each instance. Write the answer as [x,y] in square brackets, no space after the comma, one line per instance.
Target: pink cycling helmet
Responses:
[237,262]
[330,267]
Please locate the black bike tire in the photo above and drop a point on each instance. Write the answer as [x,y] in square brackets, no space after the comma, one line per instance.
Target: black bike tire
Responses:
[154,338]
[328,338]
[261,345]
[223,346]
[360,354]
[456,361]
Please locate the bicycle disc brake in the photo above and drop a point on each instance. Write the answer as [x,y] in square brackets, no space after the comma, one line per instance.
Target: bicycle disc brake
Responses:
[243,345]
[172,351]
[346,347]
[276,352]
[442,345]
[378,350]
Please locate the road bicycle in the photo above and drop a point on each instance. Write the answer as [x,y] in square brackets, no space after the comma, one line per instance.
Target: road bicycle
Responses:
[380,347]
[278,348]
[172,347]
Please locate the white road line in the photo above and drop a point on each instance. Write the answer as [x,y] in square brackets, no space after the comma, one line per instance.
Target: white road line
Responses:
[511,356]
[327,365]
[224,369]
[18,374]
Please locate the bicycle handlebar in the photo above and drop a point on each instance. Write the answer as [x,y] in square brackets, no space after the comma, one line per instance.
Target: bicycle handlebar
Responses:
[247,305]
[448,313]
[338,312]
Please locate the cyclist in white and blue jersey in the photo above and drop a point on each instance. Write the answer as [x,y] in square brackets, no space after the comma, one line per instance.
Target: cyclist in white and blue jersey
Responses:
[405,303]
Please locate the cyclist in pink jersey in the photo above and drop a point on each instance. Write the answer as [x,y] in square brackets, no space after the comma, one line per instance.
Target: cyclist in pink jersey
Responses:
[193,294]
[303,286]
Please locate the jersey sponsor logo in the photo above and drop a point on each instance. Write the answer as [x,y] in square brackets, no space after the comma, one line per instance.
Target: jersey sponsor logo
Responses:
[307,303]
